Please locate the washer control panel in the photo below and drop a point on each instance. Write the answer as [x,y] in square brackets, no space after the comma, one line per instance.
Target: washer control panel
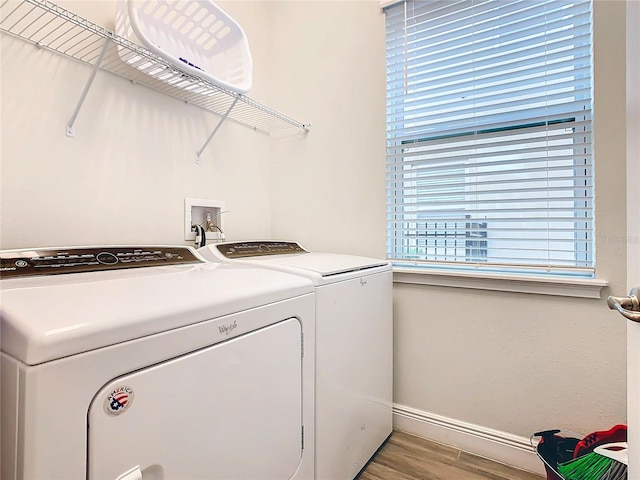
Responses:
[89,259]
[258,249]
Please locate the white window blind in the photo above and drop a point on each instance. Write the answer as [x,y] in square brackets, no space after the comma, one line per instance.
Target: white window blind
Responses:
[489,155]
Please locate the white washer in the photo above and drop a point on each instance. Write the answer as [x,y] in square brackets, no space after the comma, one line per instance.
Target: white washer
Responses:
[178,369]
[354,347]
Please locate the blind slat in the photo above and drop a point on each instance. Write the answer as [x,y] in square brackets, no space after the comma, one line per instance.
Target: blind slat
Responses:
[489,134]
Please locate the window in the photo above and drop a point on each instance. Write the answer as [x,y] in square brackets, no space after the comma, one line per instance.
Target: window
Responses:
[489,156]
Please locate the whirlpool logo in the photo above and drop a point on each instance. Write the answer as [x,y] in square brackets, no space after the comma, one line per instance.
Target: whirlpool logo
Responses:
[227,328]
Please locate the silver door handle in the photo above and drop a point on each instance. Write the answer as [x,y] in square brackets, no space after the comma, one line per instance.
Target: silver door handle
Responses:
[627,306]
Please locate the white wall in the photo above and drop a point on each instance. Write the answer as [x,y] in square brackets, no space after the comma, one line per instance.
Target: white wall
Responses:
[513,362]
[328,188]
[123,178]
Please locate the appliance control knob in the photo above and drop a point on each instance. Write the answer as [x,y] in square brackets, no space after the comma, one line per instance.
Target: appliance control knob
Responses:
[107,258]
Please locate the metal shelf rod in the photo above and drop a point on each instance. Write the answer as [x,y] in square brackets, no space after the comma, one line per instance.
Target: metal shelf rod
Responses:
[224,117]
[74,115]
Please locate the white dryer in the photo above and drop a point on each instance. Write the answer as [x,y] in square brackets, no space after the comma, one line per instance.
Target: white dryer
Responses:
[354,346]
[177,369]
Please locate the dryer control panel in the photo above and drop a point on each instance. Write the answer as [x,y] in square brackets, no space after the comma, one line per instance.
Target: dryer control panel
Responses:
[258,249]
[22,263]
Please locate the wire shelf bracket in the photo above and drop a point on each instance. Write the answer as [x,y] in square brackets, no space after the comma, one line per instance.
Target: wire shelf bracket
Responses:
[49,26]
[69,130]
[224,117]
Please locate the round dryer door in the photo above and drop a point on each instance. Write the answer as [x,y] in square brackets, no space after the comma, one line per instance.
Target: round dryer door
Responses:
[229,411]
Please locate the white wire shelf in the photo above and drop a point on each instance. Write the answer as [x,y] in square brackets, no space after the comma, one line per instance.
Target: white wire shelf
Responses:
[54,28]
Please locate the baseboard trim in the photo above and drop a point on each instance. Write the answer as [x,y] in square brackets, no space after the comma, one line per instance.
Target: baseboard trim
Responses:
[494,444]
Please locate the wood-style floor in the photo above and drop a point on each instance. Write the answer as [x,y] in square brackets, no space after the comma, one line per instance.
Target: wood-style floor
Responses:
[407,457]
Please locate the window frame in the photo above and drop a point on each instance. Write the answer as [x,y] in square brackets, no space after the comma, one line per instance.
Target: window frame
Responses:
[531,275]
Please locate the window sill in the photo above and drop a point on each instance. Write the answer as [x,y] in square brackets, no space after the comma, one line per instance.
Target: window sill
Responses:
[563,287]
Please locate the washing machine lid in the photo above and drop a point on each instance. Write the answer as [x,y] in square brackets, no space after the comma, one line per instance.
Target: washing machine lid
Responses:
[47,317]
[324,264]
[290,255]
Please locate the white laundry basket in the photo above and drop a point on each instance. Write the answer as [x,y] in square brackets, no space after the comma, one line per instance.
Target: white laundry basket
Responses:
[196,36]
